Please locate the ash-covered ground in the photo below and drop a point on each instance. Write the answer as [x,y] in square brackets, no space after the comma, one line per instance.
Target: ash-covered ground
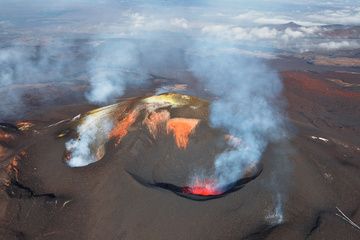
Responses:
[317,165]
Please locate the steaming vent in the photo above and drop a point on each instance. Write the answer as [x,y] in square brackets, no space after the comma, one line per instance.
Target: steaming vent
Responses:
[165,141]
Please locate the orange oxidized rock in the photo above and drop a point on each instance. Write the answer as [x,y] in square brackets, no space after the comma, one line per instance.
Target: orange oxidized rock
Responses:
[155,119]
[181,129]
[122,127]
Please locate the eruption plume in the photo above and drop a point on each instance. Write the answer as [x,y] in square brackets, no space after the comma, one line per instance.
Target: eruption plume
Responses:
[277,216]
[246,91]
[25,66]
[93,133]
[114,66]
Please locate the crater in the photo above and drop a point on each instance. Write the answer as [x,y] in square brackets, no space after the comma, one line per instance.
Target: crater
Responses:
[164,141]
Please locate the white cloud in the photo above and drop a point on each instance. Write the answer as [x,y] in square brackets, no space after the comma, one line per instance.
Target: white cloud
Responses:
[252,53]
[226,21]
[290,34]
[261,18]
[240,33]
[257,33]
[270,18]
[180,22]
[339,16]
[299,38]
[137,20]
[332,45]
[310,29]
[263,33]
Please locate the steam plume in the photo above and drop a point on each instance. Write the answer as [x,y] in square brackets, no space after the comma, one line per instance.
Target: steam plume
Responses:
[25,64]
[114,66]
[93,132]
[277,216]
[246,91]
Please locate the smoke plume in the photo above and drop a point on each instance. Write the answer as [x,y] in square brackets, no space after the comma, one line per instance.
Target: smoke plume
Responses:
[93,133]
[246,92]
[276,217]
[114,66]
[26,67]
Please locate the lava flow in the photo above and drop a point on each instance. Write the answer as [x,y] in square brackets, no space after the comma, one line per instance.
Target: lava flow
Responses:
[202,187]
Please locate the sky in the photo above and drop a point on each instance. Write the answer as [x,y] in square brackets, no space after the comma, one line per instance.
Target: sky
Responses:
[241,20]
[79,15]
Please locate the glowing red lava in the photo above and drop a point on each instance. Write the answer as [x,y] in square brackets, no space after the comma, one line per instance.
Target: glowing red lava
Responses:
[203,187]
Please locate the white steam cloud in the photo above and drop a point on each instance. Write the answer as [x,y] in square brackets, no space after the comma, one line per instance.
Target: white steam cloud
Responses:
[247,90]
[113,67]
[336,45]
[25,66]
[34,63]
[89,146]
[276,216]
